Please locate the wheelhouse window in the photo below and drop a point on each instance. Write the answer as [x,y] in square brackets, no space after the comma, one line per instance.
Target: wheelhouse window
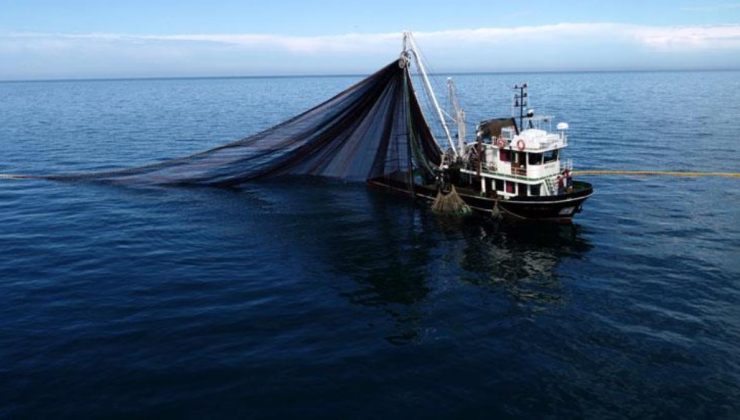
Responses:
[522,190]
[504,156]
[507,133]
[551,156]
[535,158]
[500,185]
[519,157]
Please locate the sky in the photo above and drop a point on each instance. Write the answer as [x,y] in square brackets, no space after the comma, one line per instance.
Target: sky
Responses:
[63,39]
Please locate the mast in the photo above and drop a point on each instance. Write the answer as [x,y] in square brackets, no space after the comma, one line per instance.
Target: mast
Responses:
[520,101]
[409,45]
[459,115]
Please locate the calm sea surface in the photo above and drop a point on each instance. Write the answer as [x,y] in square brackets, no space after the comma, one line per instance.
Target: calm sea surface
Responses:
[329,300]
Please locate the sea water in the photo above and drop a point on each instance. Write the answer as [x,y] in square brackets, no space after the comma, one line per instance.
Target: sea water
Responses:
[329,299]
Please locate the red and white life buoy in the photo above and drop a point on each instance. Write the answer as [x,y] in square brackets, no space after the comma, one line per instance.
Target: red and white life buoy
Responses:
[501,143]
[520,144]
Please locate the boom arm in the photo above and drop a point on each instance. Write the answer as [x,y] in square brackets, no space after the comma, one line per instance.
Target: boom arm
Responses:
[459,116]
[409,45]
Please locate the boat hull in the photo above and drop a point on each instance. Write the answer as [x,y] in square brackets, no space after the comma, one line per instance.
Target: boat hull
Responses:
[561,208]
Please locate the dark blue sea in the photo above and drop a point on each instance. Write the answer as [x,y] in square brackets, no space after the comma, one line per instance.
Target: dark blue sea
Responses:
[323,299]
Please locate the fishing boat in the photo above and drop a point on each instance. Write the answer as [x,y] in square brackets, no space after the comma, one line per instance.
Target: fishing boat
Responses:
[376,131]
[514,166]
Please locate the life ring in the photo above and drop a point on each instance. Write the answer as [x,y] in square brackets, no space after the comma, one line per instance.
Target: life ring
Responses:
[520,144]
[501,143]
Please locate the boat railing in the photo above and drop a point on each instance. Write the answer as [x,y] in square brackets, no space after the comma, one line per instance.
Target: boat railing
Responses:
[541,122]
[554,140]
[567,164]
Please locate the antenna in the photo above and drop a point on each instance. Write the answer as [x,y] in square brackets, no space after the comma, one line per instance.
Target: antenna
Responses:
[520,101]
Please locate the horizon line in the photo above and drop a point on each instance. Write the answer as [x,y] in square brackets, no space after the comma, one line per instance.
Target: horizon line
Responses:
[330,75]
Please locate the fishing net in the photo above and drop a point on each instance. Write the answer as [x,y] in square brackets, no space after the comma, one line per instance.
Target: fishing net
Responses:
[374,130]
[450,203]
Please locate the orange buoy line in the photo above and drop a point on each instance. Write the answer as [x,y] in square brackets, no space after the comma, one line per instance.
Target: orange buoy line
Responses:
[656,173]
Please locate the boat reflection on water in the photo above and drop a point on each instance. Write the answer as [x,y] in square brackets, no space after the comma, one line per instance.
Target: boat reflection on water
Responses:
[521,259]
[401,256]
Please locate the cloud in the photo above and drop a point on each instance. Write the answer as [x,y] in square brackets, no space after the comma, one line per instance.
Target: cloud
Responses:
[562,46]
[689,37]
[306,45]
[686,37]
[293,44]
[655,37]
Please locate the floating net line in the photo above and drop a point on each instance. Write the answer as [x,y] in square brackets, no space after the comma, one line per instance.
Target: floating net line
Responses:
[655,173]
[373,130]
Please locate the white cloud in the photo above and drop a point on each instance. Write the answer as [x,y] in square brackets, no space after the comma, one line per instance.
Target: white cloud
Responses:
[658,37]
[561,46]
[676,37]
[294,44]
[689,37]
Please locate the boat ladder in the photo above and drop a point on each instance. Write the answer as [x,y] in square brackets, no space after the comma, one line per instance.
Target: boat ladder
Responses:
[550,187]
